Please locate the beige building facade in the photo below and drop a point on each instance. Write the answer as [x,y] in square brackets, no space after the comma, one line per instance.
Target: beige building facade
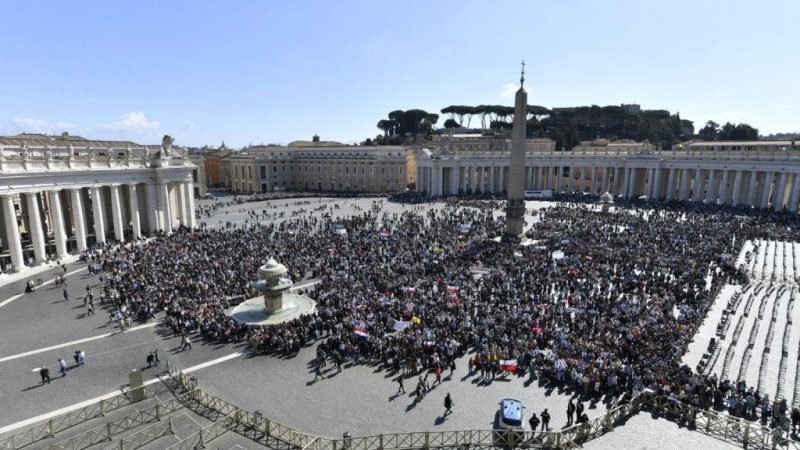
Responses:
[758,179]
[324,167]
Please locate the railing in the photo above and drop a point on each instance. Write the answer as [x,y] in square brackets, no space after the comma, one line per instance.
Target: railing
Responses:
[144,437]
[723,426]
[204,436]
[64,422]
[113,428]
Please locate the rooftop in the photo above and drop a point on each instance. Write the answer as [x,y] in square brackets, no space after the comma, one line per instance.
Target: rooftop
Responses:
[43,140]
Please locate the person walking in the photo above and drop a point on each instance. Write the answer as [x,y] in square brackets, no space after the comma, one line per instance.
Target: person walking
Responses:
[66,295]
[570,411]
[400,388]
[156,360]
[150,360]
[545,420]
[62,367]
[187,343]
[448,404]
[44,372]
[318,373]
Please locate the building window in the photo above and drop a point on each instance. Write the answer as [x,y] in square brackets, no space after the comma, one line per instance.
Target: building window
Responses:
[264,172]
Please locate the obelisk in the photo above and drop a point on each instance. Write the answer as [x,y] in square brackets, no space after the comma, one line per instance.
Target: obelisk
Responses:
[515,207]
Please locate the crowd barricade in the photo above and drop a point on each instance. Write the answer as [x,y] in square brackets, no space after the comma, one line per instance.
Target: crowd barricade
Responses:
[258,428]
[52,427]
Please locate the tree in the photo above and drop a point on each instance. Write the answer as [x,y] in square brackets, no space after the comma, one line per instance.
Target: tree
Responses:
[737,132]
[386,126]
[710,132]
[451,123]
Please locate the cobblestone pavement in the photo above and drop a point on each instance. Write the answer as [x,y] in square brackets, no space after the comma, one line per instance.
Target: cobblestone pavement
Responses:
[360,400]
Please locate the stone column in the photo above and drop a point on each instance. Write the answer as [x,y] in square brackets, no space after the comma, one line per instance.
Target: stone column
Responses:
[619,181]
[78,221]
[671,184]
[116,214]
[683,190]
[502,174]
[153,216]
[626,183]
[737,188]
[655,191]
[136,221]
[539,184]
[35,223]
[604,188]
[12,232]
[491,180]
[191,220]
[780,193]
[528,177]
[711,185]
[97,213]
[559,179]
[766,190]
[648,190]
[794,197]
[634,190]
[751,190]
[594,181]
[723,188]
[571,180]
[59,233]
[165,207]
[697,189]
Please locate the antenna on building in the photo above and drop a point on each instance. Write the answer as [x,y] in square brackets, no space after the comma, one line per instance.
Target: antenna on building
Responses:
[522,77]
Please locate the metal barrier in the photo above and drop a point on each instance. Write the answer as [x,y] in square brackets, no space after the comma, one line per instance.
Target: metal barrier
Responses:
[719,425]
[723,426]
[66,421]
[144,437]
[113,428]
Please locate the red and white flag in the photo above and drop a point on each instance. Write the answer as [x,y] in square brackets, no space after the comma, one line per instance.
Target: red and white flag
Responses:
[508,365]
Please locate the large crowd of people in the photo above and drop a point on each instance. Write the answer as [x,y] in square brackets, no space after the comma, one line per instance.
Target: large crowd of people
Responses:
[600,303]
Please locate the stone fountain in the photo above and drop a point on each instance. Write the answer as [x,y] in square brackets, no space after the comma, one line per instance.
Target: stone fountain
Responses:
[277,303]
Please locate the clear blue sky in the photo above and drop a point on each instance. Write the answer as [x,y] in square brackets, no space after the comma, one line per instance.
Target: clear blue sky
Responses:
[256,71]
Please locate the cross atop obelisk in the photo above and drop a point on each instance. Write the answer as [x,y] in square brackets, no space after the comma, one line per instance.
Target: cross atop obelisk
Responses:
[515,207]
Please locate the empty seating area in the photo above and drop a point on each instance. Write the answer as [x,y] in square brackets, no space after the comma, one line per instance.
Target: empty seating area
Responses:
[756,339]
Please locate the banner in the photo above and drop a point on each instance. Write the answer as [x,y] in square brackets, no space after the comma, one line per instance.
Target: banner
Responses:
[508,365]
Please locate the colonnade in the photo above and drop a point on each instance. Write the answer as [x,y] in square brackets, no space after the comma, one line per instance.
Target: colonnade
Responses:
[58,220]
[761,185]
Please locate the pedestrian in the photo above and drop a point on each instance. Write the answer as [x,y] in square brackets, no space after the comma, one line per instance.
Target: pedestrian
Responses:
[534,422]
[570,411]
[448,404]
[44,372]
[62,367]
[90,311]
[545,420]
[579,409]
[155,357]
[150,360]
[66,295]
[438,372]
[400,388]
[318,373]
[81,357]
[187,343]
